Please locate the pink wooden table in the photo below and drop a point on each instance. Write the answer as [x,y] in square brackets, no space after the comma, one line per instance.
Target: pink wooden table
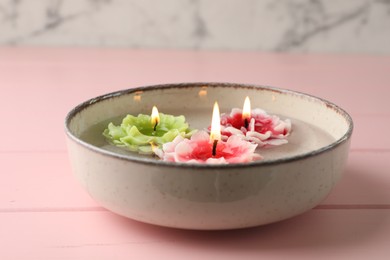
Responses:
[45,214]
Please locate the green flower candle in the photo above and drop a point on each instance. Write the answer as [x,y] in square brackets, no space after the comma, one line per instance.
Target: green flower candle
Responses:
[143,133]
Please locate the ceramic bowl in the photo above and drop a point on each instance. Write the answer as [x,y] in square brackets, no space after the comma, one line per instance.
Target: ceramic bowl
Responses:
[209,197]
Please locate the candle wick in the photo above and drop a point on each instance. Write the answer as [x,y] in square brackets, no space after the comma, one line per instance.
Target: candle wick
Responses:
[246,123]
[154,128]
[215,147]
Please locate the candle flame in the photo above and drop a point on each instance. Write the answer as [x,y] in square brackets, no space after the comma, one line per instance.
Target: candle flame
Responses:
[215,133]
[155,118]
[246,110]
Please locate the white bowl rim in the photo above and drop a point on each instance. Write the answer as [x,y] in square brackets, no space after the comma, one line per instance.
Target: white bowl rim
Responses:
[148,161]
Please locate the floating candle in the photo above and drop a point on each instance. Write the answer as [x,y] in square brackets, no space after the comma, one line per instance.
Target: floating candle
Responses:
[255,125]
[205,148]
[143,133]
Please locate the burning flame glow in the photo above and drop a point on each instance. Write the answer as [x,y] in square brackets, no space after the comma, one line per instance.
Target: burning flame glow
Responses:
[155,118]
[215,133]
[137,96]
[246,110]
[203,92]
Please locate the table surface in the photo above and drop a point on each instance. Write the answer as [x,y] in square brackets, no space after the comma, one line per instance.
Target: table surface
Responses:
[45,214]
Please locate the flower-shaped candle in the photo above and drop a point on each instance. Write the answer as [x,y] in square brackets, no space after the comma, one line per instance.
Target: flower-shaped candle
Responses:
[255,126]
[205,148]
[143,133]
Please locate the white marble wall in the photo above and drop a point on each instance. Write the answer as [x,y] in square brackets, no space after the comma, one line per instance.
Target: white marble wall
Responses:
[268,25]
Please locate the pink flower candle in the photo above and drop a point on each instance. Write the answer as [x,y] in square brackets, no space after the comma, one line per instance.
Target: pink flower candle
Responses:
[255,126]
[205,148]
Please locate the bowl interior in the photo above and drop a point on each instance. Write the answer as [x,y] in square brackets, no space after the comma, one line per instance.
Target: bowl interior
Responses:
[329,123]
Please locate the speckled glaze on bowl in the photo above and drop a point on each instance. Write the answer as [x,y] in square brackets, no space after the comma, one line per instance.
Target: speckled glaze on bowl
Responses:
[208,197]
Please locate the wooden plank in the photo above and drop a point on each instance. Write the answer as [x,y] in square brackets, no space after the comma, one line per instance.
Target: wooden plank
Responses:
[33,181]
[366,133]
[334,77]
[45,214]
[318,234]
[366,181]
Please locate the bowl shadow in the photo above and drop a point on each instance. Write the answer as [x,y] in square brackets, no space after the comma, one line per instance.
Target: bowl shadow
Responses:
[320,228]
